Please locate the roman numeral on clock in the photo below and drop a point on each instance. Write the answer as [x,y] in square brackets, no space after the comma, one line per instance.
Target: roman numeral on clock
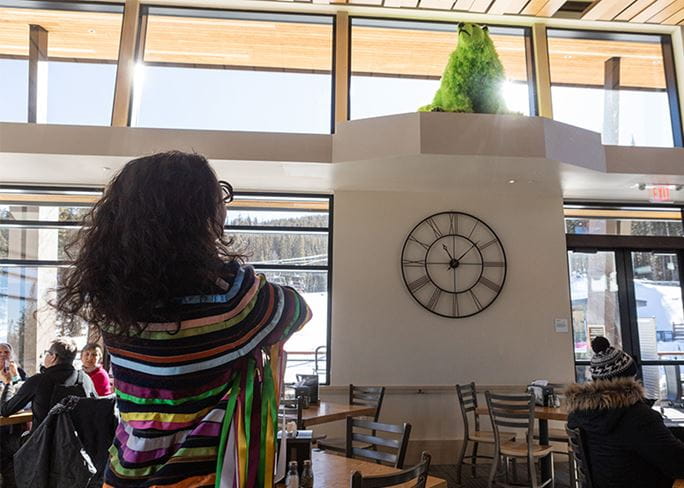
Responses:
[475,300]
[432,303]
[411,263]
[490,284]
[413,239]
[435,229]
[419,283]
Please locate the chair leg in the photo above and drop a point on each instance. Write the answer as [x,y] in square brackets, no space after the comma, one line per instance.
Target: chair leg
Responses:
[515,470]
[553,474]
[473,460]
[459,463]
[492,472]
[571,468]
[532,473]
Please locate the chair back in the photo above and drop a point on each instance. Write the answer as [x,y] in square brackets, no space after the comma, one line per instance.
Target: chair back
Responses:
[579,454]
[378,447]
[418,473]
[511,412]
[291,411]
[467,400]
[370,396]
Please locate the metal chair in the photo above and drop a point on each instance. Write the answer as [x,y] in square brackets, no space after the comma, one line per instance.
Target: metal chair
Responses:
[467,400]
[393,450]
[419,473]
[516,412]
[358,395]
[580,460]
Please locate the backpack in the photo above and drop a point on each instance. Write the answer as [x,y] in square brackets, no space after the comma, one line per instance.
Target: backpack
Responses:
[72,386]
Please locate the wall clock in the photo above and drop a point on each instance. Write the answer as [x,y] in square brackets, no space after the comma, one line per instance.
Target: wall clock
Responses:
[453,264]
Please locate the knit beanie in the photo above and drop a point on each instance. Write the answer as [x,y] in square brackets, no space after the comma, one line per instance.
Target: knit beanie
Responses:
[609,362]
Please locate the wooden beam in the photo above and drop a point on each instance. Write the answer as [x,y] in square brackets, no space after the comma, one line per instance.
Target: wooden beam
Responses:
[480,6]
[664,14]
[634,9]
[606,9]
[37,79]
[675,18]
[463,4]
[550,8]
[501,7]
[650,11]
[541,67]
[125,71]
[342,35]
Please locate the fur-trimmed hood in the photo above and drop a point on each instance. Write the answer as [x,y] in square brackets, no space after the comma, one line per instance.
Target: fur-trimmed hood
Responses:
[599,407]
[604,394]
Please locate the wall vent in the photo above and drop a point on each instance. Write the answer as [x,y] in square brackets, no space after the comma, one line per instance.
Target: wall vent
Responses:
[574,9]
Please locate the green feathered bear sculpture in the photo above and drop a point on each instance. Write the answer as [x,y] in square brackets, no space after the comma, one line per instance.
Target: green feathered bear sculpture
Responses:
[473,77]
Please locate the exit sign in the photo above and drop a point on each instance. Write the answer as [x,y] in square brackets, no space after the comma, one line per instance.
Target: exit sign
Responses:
[660,194]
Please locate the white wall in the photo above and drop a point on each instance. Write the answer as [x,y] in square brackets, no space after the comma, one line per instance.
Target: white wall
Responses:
[381,336]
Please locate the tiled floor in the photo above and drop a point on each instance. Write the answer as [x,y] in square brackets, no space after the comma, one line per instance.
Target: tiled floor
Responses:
[448,473]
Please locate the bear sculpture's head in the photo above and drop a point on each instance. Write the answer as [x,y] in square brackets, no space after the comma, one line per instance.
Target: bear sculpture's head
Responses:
[472,33]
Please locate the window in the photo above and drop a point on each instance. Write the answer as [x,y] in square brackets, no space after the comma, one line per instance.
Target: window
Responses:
[234,71]
[615,84]
[626,221]
[285,237]
[75,82]
[396,65]
[625,284]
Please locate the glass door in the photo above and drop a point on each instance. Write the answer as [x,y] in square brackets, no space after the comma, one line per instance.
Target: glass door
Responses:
[659,317]
[595,303]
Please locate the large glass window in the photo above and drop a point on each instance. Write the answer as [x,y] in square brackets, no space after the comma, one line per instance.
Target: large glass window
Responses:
[75,84]
[286,237]
[614,84]
[396,65]
[625,284]
[234,71]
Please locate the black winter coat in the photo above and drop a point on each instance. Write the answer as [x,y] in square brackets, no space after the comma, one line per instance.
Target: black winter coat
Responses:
[627,443]
[38,390]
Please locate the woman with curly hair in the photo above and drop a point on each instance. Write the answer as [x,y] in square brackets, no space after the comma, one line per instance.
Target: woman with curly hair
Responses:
[195,338]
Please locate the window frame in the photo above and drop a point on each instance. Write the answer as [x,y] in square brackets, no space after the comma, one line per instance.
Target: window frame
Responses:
[527,38]
[669,71]
[82,190]
[623,247]
[224,13]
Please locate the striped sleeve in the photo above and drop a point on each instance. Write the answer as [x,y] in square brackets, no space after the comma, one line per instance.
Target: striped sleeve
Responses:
[296,313]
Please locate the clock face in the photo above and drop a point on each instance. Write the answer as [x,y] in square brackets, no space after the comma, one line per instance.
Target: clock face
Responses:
[453,264]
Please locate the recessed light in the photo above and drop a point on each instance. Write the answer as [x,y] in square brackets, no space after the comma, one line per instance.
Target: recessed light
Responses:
[511,181]
[106,168]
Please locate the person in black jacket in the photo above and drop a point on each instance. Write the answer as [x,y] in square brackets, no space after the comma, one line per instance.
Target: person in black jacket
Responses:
[41,390]
[628,445]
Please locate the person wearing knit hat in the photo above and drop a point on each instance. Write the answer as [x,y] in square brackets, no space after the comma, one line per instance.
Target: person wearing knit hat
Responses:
[626,441]
[609,362]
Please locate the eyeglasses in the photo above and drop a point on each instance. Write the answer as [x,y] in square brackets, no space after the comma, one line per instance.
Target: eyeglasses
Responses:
[227,190]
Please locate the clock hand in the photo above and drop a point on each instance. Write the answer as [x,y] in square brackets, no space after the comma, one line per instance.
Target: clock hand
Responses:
[467,251]
[447,251]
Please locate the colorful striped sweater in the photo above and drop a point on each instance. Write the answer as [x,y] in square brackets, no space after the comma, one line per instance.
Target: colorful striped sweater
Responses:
[198,397]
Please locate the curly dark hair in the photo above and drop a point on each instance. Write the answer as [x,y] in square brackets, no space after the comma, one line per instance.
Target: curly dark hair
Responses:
[156,234]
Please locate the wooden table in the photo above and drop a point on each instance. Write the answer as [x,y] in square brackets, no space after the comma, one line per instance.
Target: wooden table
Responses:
[326,412]
[333,471]
[17,418]
[543,415]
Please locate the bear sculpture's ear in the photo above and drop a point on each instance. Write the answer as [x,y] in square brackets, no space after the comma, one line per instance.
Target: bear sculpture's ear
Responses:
[461,25]
[485,28]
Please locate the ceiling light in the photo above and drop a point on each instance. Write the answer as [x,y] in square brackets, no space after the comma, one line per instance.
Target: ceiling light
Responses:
[511,181]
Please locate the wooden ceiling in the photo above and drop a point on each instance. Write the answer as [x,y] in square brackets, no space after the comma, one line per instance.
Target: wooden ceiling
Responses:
[308,47]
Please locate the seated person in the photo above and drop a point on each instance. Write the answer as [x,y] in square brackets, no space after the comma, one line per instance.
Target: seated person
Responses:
[9,365]
[91,356]
[627,443]
[43,389]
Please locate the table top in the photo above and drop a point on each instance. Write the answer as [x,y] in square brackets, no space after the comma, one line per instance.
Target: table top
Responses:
[542,413]
[17,418]
[333,471]
[329,412]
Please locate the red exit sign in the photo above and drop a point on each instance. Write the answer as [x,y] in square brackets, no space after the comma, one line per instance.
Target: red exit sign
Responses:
[660,194]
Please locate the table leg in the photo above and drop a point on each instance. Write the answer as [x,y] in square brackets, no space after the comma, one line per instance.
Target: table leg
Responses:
[544,440]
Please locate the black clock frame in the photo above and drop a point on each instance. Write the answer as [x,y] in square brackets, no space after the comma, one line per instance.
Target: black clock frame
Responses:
[427,273]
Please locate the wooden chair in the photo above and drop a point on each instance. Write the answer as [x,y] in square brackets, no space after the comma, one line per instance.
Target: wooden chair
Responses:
[358,395]
[290,410]
[467,400]
[418,473]
[579,460]
[516,412]
[392,452]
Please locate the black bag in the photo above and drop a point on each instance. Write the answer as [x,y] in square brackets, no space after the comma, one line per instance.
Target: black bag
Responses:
[72,386]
